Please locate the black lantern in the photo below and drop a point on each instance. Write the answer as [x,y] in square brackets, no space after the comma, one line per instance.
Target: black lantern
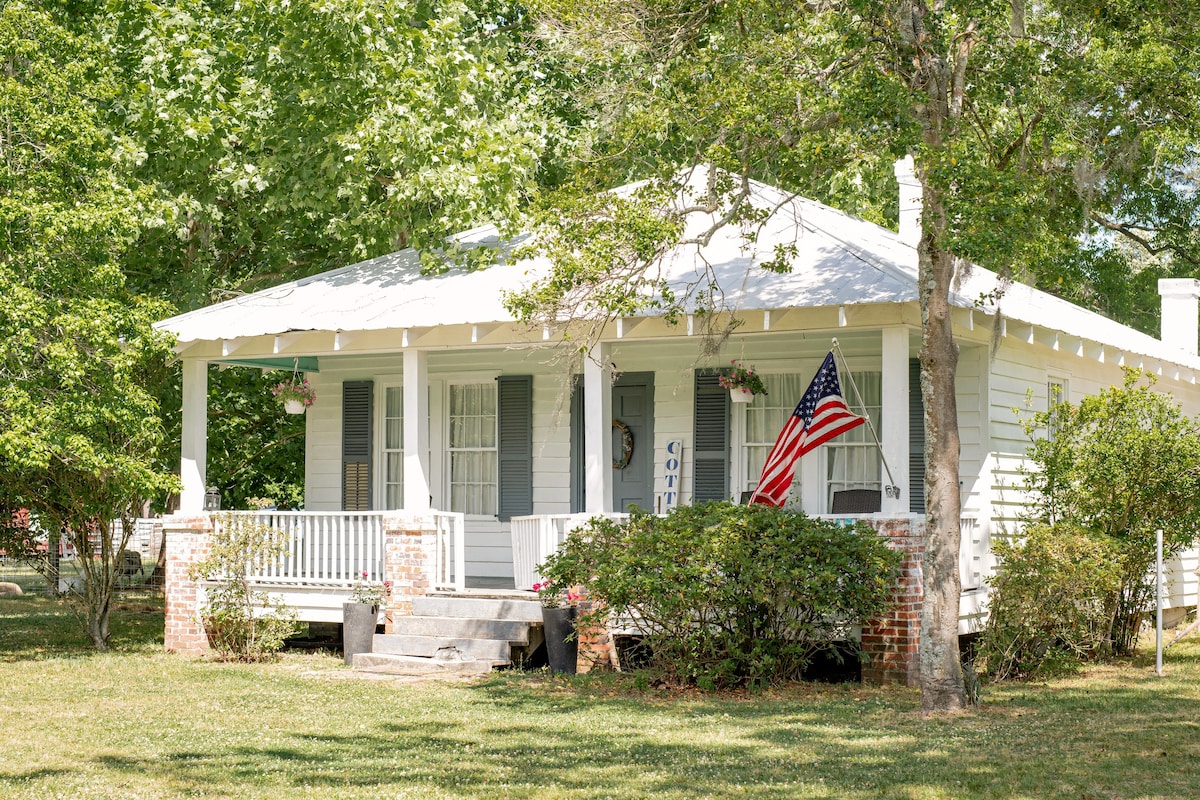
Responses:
[212,499]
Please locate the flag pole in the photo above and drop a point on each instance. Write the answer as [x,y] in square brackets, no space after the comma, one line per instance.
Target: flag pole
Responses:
[892,489]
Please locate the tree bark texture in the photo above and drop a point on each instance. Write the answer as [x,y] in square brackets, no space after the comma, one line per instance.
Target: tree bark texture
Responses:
[937,79]
[941,672]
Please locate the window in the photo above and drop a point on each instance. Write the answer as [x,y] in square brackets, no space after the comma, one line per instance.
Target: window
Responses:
[1056,392]
[765,418]
[472,448]
[393,447]
[852,460]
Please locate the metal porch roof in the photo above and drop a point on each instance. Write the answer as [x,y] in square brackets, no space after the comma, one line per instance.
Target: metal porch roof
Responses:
[840,260]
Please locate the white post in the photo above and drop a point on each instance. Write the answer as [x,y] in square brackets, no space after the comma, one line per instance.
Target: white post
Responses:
[194,441]
[416,430]
[893,425]
[1158,632]
[597,439]
[911,201]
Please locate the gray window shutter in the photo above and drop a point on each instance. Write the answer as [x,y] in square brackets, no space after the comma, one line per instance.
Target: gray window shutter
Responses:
[710,457]
[514,411]
[357,399]
[916,439]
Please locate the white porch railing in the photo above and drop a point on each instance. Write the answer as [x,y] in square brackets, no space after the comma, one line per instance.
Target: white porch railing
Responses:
[535,538]
[340,548]
[449,572]
[320,548]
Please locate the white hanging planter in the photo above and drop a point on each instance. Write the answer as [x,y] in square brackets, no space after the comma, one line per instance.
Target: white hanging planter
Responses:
[293,406]
[738,395]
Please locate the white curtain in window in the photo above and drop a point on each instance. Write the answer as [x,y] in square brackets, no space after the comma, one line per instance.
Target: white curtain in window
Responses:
[765,418]
[473,448]
[852,461]
[393,447]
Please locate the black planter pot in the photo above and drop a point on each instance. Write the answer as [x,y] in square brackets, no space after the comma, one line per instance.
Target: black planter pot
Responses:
[562,646]
[358,628]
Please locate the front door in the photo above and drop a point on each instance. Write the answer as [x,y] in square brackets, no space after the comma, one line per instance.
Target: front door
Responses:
[633,441]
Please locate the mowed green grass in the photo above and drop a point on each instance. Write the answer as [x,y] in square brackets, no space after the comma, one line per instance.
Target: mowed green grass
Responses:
[140,723]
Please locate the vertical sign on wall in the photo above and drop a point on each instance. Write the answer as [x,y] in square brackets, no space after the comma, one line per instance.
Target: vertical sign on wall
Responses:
[670,496]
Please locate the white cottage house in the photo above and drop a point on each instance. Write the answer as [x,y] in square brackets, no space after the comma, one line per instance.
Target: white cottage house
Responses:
[433,401]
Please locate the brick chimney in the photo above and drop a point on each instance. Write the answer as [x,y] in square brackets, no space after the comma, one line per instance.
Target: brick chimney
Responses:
[1180,312]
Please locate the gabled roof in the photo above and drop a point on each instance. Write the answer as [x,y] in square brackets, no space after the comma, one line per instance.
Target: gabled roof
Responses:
[841,260]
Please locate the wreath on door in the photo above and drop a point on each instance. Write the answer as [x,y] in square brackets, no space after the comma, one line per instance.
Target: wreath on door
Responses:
[626,445]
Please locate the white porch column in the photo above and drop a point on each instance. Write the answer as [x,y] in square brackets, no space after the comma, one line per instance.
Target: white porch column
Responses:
[194,443]
[597,438]
[893,425]
[416,430]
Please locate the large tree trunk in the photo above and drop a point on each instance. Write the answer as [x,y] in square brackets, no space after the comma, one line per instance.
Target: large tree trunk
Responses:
[941,671]
[940,79]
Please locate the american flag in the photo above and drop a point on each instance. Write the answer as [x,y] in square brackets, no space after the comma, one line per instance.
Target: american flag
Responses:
[821,415]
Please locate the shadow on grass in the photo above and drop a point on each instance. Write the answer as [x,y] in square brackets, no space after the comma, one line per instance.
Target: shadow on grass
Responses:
[38,627]
[1124,734]
[1111,731]
[450,757]
[510,740]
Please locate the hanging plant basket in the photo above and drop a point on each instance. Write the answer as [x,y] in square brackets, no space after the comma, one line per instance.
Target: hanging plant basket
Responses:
[742,382]
[295,394]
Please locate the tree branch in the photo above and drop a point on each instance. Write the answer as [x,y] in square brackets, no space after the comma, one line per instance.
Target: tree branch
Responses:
[965,41]
[1020,141]
[1131,232]
[269,446]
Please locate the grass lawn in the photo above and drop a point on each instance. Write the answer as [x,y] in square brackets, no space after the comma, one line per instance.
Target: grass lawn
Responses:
[139,723]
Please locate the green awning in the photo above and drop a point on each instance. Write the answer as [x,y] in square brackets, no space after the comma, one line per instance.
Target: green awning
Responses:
[303,364]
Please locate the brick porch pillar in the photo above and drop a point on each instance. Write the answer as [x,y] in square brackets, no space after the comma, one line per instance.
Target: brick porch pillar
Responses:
[188,542]
[890,643]
[409,541]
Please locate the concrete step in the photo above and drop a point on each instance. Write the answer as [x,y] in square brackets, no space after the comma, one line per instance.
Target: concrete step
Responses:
[392,664]
[494,651]
[496,607]
[514,631]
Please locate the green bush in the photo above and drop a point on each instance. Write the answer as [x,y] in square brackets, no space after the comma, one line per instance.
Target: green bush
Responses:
[729,595]
[1121,465]
[1053,602]
[242,624]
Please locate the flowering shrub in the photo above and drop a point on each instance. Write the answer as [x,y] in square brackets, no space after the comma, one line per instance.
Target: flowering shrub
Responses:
[740,376]
[292,389]
[553,597]
[371,593]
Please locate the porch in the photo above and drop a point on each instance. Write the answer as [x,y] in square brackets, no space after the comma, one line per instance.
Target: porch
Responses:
[324,554]
[432,606]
